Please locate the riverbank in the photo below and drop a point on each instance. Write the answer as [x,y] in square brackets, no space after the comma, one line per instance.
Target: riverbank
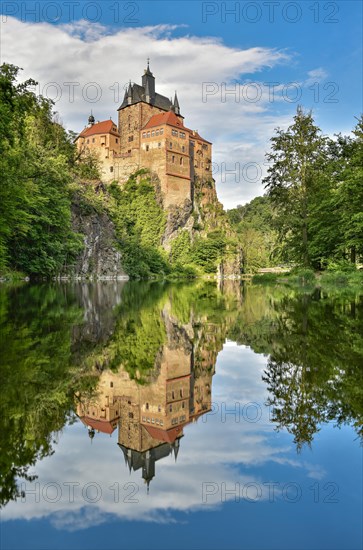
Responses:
[308,278]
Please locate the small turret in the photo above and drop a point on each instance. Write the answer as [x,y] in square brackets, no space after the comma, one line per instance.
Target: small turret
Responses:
[91,120]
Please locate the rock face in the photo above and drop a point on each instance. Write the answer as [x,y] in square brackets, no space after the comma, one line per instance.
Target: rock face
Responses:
[100,259]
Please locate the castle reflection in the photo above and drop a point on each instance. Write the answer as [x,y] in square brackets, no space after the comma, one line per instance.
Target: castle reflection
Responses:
[150,417]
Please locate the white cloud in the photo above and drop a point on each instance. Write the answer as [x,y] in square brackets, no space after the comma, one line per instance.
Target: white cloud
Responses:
[316,75]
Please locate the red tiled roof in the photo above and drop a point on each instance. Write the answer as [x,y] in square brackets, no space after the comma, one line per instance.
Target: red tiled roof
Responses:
[104,426]
[169,436]
[169,118]
[104,127]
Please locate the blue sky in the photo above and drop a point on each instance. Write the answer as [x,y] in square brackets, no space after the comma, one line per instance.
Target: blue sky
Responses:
[311,50]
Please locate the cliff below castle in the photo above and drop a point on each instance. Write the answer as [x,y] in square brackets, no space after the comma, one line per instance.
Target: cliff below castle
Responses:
[128,232]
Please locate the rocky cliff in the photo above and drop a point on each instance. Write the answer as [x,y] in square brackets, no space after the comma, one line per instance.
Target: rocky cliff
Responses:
[100,258]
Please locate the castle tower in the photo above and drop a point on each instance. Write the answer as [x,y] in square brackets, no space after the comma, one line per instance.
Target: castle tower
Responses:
[151,134]
[140,103]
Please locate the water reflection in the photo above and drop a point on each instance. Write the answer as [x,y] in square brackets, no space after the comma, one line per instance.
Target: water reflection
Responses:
[140,358]
[150,417]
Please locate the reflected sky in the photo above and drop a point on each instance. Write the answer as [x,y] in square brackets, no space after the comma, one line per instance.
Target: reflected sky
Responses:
[212,451]
[235,483]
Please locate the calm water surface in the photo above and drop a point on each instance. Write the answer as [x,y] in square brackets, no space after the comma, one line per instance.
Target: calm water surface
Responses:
[180,416]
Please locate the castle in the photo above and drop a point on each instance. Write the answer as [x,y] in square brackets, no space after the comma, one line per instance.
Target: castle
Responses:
[150,134]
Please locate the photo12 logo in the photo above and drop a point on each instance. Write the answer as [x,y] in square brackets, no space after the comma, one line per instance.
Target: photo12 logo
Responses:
[270,491]
[270,12]
[269,92]
[127,13]
[72,491]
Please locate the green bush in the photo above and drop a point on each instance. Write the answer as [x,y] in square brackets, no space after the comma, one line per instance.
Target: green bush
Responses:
[302,276]
[265,278]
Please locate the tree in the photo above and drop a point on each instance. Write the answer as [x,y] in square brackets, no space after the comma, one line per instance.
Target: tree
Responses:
[37,165]
[298,156]
[350,196]
[253,225]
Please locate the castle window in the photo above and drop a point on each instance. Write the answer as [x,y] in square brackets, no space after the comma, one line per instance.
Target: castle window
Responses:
[131,415]
[159,144]
[153,421]
[173,395]
[183,405]
[129,151]
[116,140]
[170,144]
[159,408]
[87,140]
[144,134]
[153,133]
[147,406]
[111,168]
[181,161]
[161,423]
[147,147]
[181,393]
[183,148]
[161,131]
[157,132]
[131,138]
[143,419]
[182,134]
[173,159]
[93,140]
[170,408]
[148,420]
[148,134]
[174,132]
[205,146]
[111,383]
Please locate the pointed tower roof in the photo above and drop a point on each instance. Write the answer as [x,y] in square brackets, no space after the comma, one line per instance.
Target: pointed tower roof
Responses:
[147,70]
[176,102]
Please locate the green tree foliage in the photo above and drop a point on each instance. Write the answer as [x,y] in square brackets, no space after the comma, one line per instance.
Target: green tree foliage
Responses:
[297,160]
[316,187]
[253,225]
[36,159]
[140,222]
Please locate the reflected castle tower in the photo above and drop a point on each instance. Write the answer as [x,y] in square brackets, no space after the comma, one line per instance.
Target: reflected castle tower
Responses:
[151,417]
